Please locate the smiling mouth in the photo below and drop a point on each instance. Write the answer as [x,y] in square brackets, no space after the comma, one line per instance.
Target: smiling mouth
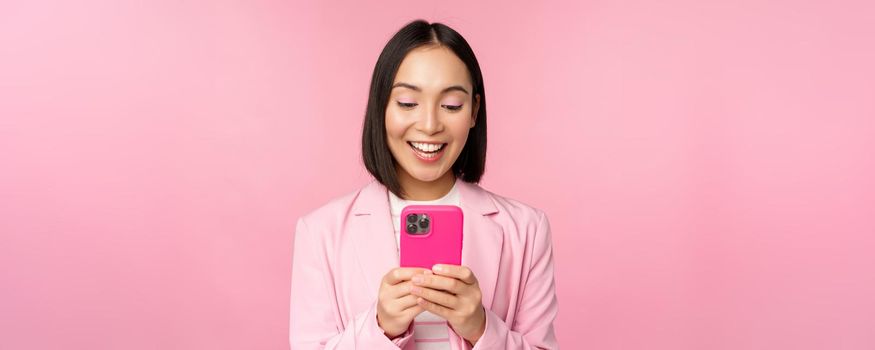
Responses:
[427,151]
[427,147]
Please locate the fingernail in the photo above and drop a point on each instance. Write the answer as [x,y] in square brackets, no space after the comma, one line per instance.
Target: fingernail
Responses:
[417,279]
[414,290]
[437,268]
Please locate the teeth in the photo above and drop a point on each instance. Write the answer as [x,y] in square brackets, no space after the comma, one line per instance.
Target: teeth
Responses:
[427,147]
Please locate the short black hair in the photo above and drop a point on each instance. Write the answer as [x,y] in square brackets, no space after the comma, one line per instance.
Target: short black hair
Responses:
[377,157]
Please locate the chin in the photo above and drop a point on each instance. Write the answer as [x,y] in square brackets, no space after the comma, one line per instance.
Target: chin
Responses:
[424,175]
[430,177]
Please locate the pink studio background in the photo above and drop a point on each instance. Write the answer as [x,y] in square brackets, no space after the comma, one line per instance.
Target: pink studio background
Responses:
[708,167]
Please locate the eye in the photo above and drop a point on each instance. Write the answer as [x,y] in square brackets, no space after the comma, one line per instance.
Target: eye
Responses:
[407,105]
[453,108]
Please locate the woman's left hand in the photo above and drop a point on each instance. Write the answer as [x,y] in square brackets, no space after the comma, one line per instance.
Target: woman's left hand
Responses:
[452,292]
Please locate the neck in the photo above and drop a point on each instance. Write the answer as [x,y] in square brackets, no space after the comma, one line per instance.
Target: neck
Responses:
[417,190]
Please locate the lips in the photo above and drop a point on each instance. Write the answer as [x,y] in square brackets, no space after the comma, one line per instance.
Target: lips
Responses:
[427,151]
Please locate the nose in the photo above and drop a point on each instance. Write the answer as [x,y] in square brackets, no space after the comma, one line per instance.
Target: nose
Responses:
[430,122]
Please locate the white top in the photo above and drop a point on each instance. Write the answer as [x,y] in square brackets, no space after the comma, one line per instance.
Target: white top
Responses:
[430,331]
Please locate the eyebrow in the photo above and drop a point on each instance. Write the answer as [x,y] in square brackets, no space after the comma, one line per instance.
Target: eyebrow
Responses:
[416,88]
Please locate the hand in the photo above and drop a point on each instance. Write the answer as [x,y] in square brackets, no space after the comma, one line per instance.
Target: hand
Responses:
[453,293]
[396,307]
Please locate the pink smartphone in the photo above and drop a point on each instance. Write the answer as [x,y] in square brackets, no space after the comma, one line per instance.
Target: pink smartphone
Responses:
[431,234]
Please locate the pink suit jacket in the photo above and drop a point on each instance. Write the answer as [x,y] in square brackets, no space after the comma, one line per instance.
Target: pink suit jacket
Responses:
[343,249]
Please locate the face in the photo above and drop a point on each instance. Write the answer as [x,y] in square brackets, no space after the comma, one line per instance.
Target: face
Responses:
[430,112]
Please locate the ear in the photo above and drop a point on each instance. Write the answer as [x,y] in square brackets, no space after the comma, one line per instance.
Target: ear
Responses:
[476,110]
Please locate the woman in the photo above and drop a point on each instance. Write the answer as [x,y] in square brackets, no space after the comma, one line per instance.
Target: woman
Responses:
[424,141]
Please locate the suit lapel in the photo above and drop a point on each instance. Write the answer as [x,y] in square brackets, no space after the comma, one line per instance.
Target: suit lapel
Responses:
[373,236]
[482,240]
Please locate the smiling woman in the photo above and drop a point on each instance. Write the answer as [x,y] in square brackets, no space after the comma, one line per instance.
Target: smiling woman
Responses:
[429,117]
[424,141]
[426,89]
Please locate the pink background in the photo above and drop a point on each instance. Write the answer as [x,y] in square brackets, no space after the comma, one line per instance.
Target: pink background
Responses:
[707,166]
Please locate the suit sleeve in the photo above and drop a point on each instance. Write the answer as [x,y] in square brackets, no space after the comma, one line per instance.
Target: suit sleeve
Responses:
[533,325]
[314,321]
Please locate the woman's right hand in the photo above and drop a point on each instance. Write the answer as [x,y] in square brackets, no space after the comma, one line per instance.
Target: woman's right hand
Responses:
[396,307]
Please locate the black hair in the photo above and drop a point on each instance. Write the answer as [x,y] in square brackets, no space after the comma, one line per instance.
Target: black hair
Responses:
[377,157]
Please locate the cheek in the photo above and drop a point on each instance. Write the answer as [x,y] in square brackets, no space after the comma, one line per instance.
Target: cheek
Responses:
[459,129]
[395,125]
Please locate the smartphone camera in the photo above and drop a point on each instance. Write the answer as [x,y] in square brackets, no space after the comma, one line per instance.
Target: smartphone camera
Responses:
[411,218]
[417,224]
[423,222]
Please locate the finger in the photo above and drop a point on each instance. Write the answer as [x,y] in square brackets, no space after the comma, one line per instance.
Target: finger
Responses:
[413,311]
[401,304]
[445,283]
[436,309]
[398,290]
[462,273]
[436,296]
[400,274]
